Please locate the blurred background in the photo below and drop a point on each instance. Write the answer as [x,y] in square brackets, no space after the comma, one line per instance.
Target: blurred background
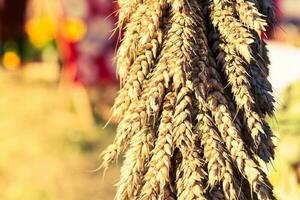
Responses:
[58,82]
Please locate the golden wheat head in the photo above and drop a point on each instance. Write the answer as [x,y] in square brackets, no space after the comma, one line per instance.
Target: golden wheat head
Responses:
[193,100]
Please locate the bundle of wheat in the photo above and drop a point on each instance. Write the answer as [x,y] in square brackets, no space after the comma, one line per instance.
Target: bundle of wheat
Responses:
[193,100]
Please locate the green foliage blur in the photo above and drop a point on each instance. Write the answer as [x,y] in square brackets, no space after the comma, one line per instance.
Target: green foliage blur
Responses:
[286,124]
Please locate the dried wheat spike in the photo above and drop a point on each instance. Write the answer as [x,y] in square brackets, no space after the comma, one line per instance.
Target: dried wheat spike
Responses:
[241,88]
[220,169]
[239,77]
[230,28]
[124,134]
[250,16]
[191,171]
[135,164]
[262,87]
[138,113]
[146,50]
[217,158]
[157,177]
[193,100]
[126,9]
[230,134]
[126,53]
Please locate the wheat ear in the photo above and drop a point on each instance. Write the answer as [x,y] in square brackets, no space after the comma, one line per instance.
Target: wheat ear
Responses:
[146,51]
[157,177]
[193,100]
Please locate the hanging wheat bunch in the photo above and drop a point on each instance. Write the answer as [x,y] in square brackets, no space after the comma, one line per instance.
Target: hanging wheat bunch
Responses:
[193,100]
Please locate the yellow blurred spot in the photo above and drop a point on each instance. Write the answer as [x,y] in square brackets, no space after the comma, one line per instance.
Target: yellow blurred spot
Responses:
[40,30]
[73,29]
[11,60]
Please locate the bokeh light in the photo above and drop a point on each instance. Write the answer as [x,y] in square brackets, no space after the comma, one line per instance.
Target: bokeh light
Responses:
[41,30]
[73,29]
[11,60]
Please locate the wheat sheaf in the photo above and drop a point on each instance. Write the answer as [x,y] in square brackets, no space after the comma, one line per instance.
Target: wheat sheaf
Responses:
[193,100]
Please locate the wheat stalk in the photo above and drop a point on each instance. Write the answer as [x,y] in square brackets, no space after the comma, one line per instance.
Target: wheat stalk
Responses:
[193,100]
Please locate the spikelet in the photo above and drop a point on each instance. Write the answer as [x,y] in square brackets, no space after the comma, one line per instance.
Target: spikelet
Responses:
[193,100]
[127,8]
[250,16]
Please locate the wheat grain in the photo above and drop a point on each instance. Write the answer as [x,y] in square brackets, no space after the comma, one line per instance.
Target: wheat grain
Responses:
[239,78]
